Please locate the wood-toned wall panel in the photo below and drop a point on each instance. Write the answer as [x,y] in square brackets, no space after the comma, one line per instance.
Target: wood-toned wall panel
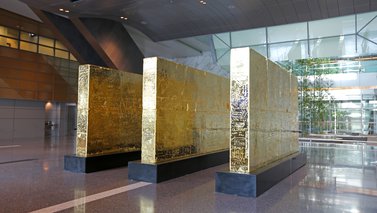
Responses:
[31,95]
[31,77]
[9,93]
[45,87]
[46,96]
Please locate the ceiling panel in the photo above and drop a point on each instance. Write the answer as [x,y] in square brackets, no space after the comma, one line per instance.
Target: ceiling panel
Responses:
[171,19]
[302,9]
[332,8]
[346,7]
[315,9]
[362,5]
[288,10]
[323,8]
[277,15]
[373,5]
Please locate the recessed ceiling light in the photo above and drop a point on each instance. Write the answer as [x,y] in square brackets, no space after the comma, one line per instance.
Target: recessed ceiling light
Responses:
[67,11]
[61,9]
[124,18]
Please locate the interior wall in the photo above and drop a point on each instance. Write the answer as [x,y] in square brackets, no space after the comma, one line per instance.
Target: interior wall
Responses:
[203,62]
[21,119]
[60,119]
[28,76]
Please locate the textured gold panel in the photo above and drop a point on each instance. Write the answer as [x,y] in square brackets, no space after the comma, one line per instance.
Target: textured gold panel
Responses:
[263,111]
[109,111]
[185,111]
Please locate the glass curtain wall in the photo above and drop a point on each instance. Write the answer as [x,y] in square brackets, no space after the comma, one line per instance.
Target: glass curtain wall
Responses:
[336,63]
[341,37]
[336,96]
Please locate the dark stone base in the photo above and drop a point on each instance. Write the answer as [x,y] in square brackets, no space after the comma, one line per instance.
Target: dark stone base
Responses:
[74,163]
[256,183]
[156,173]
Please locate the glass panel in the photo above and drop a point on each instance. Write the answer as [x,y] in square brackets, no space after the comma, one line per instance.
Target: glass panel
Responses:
[30,37]
[8,42]
[288,51]
[46,41]
[332,27]
[71,57]
[289,32]
[370,65]
[9,32]
[364,18]
[220,47]
[224,37]
[351,110]
[342,46]
[261,49]
[248,37]
[365,47]
[61,54]
[224,62]
[59,45]
[46,50]
[28,46]
[370,31]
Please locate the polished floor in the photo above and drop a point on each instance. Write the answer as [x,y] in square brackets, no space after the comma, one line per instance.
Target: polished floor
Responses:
[337,178]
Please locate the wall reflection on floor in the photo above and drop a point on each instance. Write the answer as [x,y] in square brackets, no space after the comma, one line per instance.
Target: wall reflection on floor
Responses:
[337,178]
[80,195]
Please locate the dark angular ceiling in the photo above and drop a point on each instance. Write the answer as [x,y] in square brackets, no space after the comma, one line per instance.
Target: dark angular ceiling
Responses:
[171,19]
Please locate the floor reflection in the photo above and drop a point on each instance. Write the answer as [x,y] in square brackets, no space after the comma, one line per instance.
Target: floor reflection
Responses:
[80,201]
[340,178]
[337,178]
[146,204]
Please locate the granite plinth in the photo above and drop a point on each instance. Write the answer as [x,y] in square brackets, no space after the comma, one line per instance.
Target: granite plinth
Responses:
[258,182]
[159,172]
[79,164]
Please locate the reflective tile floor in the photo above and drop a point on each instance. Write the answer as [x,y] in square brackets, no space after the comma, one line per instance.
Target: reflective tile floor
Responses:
[337,178]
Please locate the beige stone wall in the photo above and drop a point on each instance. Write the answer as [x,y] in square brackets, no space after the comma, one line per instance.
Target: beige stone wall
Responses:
[185,111]
[264,111]
[109,111]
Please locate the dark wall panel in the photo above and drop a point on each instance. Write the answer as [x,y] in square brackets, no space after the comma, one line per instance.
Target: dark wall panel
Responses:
[86,53]
[116,43]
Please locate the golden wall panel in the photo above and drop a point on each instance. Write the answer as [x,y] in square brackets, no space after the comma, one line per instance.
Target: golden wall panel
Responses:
[185,111]
[264,111]
[108,112]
